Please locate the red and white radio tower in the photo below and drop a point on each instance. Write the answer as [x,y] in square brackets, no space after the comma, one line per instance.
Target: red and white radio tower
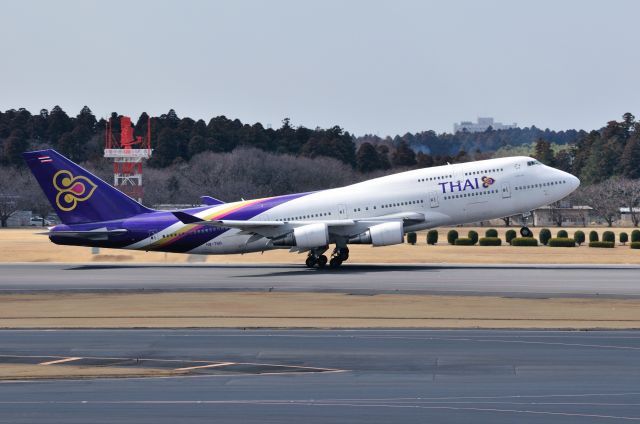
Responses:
[127,154]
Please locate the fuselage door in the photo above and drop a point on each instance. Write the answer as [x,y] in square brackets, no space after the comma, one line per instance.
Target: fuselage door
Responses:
[433,199]
[506,191]
[342,211]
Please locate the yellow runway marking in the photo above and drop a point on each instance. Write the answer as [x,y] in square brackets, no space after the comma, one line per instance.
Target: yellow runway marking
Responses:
[60,361]
[219,364]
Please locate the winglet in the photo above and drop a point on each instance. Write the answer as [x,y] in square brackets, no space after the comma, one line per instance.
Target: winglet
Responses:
[210,201]
[185,218]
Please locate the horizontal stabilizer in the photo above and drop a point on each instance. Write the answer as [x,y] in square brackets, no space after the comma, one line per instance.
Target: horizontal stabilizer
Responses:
[88,235]
[210,201]
[186,218]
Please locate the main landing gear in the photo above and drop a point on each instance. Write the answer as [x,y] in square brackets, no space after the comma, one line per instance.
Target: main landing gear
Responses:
[313,261]
[317,259]
[340,254]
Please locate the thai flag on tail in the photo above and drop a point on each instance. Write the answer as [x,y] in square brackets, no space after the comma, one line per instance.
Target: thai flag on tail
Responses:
[45,159]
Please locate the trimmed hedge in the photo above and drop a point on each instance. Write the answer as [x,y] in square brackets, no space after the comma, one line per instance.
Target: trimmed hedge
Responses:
[432,237]
[562,242]
[634,245]
[562,234]
[624,237]
[473,235]
[464,241]
[609,236]
[545,235]
[510,235]
[578,236]
[607,244]
[490,241]
[491,232]
[593,236]
[452,235]
[635,236]
[412,238]
[524,241]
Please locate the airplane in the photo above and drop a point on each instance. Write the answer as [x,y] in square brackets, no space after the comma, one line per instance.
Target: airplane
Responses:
[378,211]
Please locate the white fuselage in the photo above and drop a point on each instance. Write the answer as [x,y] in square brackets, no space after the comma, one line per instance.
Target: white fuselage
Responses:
[445,195]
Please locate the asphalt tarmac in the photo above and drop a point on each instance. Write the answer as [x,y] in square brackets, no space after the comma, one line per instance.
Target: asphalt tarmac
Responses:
[381,376]
[500,280]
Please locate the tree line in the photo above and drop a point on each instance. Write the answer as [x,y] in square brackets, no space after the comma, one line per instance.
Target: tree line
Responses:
[236,160]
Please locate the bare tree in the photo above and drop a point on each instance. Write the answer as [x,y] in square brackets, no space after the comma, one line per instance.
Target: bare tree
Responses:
[629,192]
[33,198]
[12,184]
[605,200]
[556,214]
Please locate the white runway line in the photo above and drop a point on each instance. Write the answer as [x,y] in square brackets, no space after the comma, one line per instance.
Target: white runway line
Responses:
[60,361]
[219,364]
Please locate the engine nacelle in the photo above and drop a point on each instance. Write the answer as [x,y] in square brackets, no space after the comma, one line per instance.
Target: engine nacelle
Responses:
[307,236]
[381,235]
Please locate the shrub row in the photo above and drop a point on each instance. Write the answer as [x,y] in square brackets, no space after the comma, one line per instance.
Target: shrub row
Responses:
[601,244]
[562,238]
[490,241]
[524,241]
[464,241]
[562,242]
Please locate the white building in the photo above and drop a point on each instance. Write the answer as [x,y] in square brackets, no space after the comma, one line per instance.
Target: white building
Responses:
[482,125]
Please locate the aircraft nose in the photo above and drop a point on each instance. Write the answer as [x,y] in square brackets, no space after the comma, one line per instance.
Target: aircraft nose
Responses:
[574,182]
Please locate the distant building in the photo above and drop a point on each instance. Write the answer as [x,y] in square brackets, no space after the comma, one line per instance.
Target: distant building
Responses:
[625,216]
[482,125]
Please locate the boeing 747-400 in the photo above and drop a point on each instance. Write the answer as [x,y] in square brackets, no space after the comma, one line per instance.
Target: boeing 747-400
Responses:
[377,212]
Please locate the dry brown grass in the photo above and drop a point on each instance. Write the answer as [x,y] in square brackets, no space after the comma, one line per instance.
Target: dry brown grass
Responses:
[23,245]
[26,372]
[321,310]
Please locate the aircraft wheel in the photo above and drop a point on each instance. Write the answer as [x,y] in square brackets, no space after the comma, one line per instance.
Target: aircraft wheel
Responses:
[526,232]
[335,262]
[311,261]
[322,261]
[344,254]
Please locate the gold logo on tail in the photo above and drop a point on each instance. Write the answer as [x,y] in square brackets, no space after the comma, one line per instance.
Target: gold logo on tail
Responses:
[71,190]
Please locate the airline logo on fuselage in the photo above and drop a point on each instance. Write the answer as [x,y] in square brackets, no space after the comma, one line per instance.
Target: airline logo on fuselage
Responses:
[468,184]
[71,190]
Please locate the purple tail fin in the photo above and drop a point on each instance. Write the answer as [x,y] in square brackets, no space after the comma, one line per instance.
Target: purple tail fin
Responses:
[76,195]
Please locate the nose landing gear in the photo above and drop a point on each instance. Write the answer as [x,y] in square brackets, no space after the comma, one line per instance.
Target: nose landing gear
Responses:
[526,232]
[317,259]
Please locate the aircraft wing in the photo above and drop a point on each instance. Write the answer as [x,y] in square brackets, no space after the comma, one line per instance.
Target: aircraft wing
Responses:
[275,228]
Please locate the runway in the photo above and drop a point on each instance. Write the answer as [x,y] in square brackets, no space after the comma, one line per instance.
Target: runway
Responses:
[408,376]
[508,280]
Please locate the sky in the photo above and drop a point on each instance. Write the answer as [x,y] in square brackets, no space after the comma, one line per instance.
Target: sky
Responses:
[371,67]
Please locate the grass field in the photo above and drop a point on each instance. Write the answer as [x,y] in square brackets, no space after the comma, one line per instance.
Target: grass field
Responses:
[313,310]
[24,245]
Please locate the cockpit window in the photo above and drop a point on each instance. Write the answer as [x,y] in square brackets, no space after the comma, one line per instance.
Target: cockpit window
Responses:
[533,162]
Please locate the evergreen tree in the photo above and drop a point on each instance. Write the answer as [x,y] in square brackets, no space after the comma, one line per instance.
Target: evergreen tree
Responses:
[367,158]
[403,155]
[544,153]
[630,160]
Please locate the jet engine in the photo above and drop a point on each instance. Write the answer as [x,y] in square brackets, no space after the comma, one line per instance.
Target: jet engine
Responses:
[381,235]
[307,236]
